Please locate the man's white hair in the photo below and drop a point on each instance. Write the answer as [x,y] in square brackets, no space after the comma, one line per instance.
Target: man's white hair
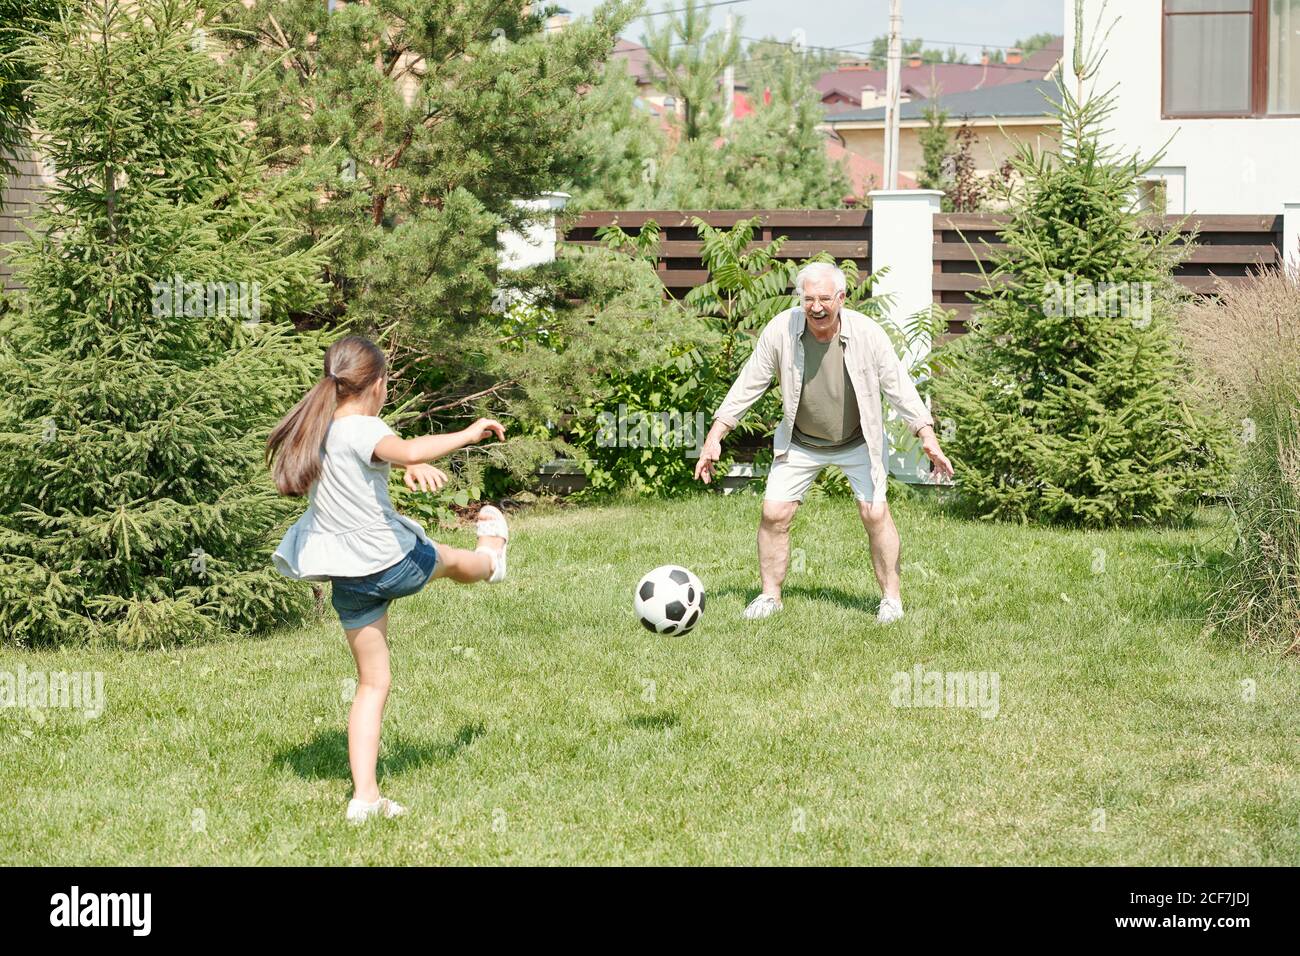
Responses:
[822,270]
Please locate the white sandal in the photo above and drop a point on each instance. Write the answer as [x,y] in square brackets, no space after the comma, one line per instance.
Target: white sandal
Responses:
[359,812]
[492,523]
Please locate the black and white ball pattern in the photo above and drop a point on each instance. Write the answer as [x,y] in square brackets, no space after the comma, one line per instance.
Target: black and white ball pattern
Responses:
[669,600]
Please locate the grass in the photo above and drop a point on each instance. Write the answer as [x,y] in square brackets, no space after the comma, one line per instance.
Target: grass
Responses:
[538,723]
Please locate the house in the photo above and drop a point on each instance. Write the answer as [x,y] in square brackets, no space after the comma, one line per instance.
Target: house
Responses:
[1217,87]
[864,174]
[22,194]
[861,86]
[1002,117]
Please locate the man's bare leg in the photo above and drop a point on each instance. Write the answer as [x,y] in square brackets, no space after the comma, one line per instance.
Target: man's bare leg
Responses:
[774,544]
[885,546]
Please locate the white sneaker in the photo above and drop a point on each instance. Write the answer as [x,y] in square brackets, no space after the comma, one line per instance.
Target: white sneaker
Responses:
[891,610]
[359,812]
[762,606]
[492,523]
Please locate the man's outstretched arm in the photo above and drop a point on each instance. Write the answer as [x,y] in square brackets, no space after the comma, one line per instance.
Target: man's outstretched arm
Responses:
[711,451]
[898,387]
[754,379]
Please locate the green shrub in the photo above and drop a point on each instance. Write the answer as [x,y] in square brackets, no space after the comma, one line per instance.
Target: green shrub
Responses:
[1068,397]
[134,503]
[628,431]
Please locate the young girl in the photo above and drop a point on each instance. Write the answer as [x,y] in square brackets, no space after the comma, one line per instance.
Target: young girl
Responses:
[333,448]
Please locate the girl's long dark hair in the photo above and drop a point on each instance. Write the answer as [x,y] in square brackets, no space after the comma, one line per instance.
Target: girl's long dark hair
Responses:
[293,451]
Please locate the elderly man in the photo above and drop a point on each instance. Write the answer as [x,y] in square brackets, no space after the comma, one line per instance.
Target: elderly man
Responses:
[833,365]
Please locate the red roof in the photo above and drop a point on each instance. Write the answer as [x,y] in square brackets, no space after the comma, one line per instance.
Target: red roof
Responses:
[864,174]
[635,56]
[948,77]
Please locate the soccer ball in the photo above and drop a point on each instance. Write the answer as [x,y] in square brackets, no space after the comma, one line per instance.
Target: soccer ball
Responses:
[669,600]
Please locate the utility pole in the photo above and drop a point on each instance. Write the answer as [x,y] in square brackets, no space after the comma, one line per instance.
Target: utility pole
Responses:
[892,83]
[729,76]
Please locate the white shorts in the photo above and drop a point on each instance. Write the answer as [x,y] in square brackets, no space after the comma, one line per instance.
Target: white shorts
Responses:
[793,473]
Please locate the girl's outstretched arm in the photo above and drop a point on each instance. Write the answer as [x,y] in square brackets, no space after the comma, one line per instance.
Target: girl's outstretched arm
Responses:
[413,451]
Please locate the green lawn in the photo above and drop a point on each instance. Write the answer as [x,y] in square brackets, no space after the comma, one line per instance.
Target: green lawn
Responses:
[537,722]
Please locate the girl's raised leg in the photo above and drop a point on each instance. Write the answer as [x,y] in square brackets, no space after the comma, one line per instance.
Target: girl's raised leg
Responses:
[467,567]
[462,566]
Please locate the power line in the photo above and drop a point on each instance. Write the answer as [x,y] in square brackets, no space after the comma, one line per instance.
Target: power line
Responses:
[699,6]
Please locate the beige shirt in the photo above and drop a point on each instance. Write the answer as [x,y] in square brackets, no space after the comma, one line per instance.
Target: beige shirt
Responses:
[828,415]
[873,369]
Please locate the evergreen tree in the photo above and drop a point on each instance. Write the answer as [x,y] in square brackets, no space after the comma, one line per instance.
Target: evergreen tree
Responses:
[773,158]
[18,18]
[435,115]
[776,157]
[623,145]
[1068,397]
[937,152]
[690,62]
[135,507]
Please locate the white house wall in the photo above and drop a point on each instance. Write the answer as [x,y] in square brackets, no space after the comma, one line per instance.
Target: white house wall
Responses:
[1230,165]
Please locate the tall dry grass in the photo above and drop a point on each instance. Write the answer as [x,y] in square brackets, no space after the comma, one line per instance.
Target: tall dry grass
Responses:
[1249,343]
[1249,334]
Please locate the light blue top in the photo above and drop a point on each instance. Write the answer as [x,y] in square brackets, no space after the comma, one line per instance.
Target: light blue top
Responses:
[350,527]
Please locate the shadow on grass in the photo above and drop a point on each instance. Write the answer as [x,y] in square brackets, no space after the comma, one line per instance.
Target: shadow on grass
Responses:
[325,756]
[866,601]
[659,720]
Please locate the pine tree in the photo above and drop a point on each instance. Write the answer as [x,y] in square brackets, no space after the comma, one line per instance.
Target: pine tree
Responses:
[436,115]
[937,153]
[776,157]
[773,158]
[690,62]
[18,18]
[622,143]
[1068,398]
[135,507]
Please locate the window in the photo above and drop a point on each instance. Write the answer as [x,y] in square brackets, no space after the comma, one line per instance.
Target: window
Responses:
[1163,191]
[1231,58]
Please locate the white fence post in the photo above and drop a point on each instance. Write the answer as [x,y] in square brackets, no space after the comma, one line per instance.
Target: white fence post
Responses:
[902,239]
[536,244]
[1291,237]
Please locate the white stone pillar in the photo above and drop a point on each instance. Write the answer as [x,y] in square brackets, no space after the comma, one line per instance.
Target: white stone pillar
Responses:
[902,239]
[536,244]
[1291,237]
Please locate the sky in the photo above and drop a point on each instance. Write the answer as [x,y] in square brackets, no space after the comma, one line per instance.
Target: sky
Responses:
[853,23]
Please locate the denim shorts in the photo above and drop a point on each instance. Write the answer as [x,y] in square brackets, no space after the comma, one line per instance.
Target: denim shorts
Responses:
[364,600]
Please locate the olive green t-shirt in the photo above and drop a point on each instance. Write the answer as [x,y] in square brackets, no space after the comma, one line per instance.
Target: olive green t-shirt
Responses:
[828,415]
